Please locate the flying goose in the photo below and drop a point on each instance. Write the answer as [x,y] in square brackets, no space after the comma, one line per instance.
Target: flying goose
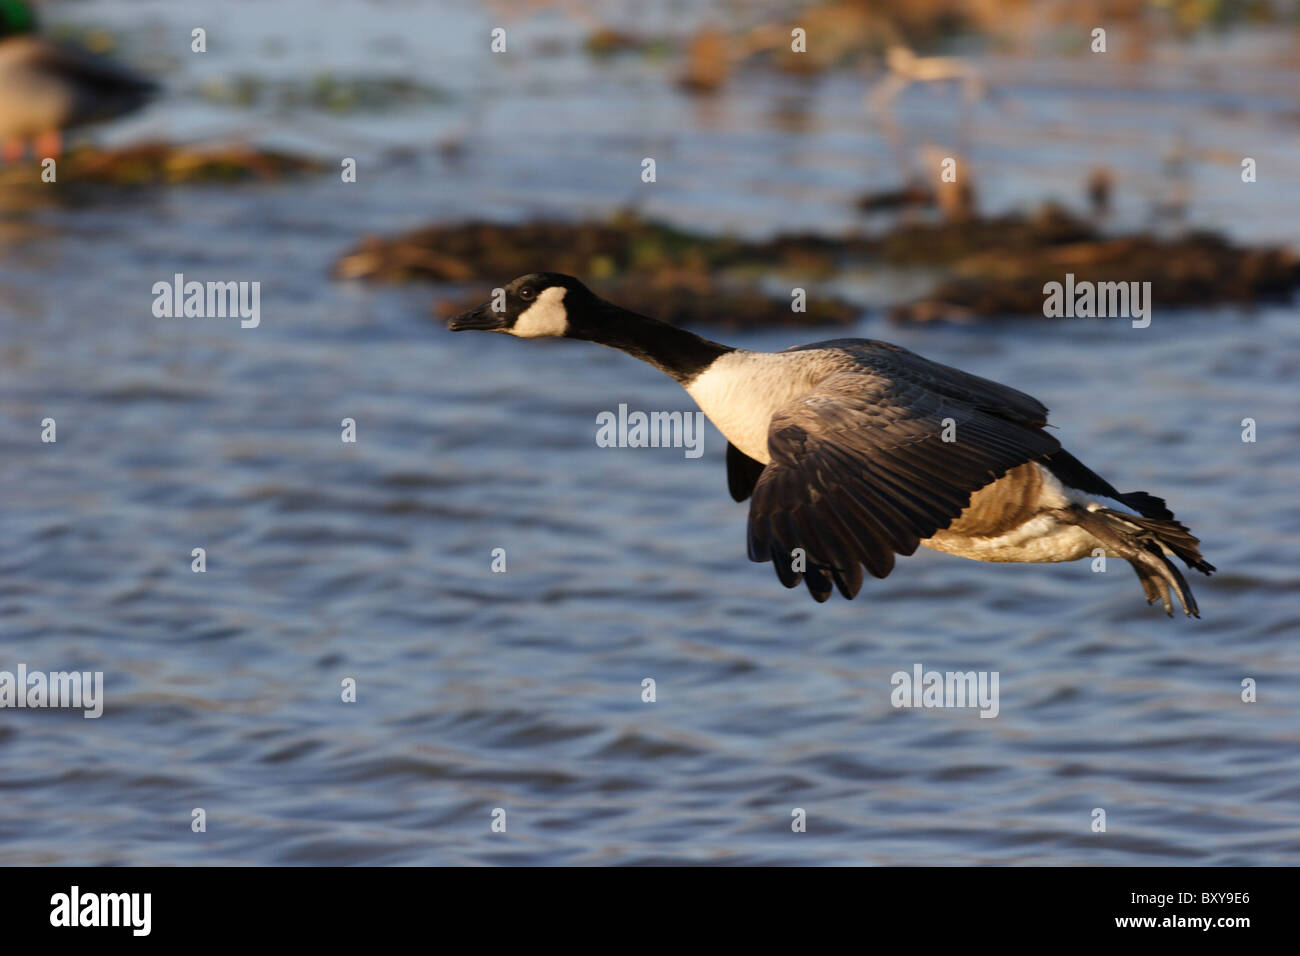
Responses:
[840,447]
[48,87]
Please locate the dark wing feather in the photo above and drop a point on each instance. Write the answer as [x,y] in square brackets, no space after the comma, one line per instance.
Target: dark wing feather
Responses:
[742,473]
[860,471]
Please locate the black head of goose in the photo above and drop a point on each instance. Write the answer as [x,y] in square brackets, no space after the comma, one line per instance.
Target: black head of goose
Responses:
[852,451]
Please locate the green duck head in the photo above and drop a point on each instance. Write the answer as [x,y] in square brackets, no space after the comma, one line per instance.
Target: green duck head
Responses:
[16,18]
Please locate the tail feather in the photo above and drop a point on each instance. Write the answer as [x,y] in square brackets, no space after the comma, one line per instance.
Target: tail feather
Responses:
[1175,536]
[1075,474]
[1148,506]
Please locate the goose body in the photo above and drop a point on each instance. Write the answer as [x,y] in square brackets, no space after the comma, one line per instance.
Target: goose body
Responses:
[854,451]
[47,87]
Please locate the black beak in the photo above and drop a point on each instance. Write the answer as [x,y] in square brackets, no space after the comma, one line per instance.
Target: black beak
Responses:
[482,318]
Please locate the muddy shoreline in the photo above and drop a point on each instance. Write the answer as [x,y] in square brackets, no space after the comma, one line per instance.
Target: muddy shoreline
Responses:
[983,268]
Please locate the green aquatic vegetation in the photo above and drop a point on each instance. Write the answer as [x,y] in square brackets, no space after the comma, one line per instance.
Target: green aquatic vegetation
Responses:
[328,92]
[151,164]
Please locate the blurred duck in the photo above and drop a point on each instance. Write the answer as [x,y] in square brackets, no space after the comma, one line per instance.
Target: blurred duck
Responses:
[47,87]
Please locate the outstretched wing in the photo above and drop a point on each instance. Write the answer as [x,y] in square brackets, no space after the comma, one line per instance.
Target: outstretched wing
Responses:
[860,469]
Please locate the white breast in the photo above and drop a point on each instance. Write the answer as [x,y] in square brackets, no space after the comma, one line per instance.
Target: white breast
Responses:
[742,390]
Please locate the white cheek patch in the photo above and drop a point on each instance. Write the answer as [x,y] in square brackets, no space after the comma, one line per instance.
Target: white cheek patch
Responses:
[545,317]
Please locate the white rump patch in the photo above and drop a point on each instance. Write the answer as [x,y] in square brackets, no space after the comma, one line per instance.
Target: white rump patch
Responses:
[1057,495]
[544,318]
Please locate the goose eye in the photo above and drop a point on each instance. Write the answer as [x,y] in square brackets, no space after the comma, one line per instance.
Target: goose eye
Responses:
[525,293]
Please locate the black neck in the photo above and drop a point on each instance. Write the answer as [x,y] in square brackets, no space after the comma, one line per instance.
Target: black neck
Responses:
[674,351]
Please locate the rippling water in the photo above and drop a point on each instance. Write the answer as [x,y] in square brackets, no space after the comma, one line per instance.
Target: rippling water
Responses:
[523,690]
